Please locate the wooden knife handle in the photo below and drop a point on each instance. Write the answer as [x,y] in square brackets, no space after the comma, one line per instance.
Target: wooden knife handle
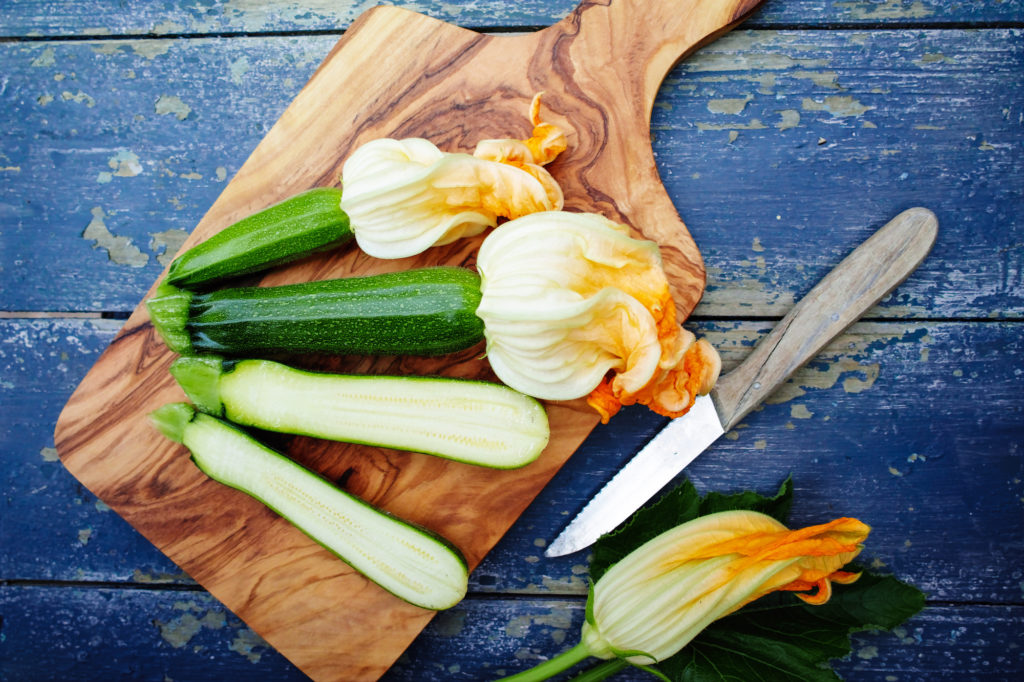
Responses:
[864,277]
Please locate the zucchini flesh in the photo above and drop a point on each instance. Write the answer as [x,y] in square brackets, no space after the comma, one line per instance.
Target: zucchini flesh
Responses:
[475,422]
[410,562]
[428,311]
[294,228]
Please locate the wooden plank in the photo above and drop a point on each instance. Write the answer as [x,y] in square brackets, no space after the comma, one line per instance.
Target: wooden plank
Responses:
[782,125]
[138,17]
[101,633]
[107,122]
[506,636]
[515,636]
[914,427]
[811,141]
[87,633]
[53,528]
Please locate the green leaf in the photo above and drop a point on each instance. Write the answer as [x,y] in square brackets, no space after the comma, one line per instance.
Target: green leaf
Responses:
[777,506]
[777,638]
[678,506]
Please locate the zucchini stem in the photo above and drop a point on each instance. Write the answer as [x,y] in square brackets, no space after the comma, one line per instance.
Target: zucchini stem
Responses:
[199,376]
[169,310]
[171,420]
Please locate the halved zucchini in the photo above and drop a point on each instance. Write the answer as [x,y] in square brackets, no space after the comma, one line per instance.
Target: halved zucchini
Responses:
[476,422]
[409,561]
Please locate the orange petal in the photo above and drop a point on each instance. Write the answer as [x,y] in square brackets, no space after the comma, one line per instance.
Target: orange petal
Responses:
[838,536]
[823,550]
[547,140]
[844,577]
[545,143]
[604,401]
[672,390]
[823,594]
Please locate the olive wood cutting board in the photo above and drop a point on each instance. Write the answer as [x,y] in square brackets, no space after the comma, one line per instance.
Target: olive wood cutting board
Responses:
[394,73]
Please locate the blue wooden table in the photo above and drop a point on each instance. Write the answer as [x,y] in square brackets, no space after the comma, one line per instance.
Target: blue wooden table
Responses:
[783,145]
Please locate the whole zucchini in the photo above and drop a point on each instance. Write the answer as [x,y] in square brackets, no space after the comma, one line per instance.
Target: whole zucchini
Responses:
[409,561]
[296,227]
[428,311]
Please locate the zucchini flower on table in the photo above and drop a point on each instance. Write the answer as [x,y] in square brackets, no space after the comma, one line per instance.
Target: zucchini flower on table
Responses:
[573,306]
[404,196]
[649,605]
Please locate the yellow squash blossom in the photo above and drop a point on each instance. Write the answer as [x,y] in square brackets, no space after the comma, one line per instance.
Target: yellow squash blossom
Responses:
[660,596]
[649,605]
[404,196]
[573,306]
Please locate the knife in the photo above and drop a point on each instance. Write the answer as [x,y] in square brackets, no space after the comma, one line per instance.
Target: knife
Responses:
[862,279]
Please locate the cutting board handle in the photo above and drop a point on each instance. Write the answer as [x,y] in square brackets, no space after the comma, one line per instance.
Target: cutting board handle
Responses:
[652,35]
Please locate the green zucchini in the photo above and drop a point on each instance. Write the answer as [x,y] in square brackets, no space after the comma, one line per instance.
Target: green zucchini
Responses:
[409,561]
[429,311]
[475,422]
[296,227]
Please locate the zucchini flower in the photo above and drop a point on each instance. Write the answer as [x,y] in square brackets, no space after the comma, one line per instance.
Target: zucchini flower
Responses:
[573,307]
[649,605]
[404,196]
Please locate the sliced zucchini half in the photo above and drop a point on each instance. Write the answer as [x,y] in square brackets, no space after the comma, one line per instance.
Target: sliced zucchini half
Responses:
[476,422]
[409,561]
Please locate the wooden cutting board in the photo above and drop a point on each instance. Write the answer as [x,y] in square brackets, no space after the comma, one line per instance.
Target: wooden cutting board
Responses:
[398,74]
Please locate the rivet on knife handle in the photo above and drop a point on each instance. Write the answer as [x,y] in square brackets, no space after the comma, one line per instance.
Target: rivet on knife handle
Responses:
[852,288]
[874,269]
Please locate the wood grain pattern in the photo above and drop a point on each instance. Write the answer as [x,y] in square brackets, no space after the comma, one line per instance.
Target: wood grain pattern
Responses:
[397,74]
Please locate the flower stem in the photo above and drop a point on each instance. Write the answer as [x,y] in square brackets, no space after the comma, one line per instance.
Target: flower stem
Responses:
[601,671]
[543,671]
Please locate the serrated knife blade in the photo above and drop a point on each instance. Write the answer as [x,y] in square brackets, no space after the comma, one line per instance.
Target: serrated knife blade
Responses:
[863,278]
[674,447]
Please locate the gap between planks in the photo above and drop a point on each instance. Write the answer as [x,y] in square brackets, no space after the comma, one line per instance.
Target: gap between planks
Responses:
[751,25]
[482,596]
[35,315]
